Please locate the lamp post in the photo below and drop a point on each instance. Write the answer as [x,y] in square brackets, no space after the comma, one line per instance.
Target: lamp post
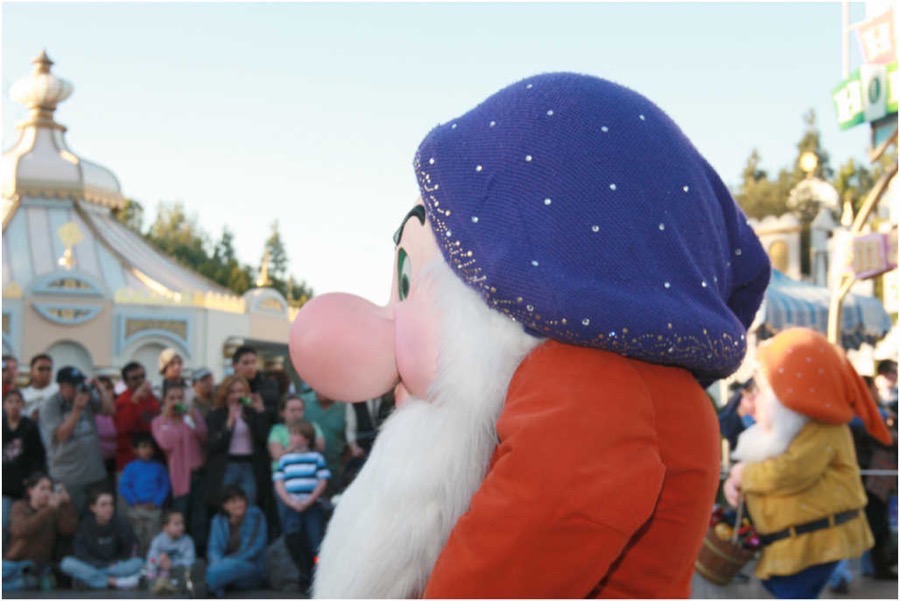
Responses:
[814,199]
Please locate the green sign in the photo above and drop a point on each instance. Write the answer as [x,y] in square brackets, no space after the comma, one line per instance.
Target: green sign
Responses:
[868,95]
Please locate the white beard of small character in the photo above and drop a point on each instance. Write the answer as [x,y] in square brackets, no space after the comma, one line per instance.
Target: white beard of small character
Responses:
[758,443]
[430,456]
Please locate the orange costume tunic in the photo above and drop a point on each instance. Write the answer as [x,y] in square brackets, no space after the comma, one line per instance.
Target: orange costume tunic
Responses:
[601,485]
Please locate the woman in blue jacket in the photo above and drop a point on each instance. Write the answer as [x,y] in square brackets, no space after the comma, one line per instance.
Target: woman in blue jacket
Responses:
[237,544]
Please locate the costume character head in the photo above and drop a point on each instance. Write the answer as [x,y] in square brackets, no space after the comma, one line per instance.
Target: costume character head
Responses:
[563,207]
[804,377]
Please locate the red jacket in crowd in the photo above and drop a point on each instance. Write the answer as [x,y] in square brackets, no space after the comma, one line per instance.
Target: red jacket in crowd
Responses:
[130,419]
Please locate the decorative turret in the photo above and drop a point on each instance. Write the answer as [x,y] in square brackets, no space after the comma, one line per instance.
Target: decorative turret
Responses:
[263,280]
[40,164]
[41,93]
[812,190]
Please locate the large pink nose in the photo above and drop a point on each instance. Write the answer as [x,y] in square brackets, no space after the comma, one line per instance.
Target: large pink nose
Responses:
[343,347]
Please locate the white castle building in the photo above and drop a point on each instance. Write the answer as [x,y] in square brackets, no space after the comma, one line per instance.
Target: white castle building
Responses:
[81,286]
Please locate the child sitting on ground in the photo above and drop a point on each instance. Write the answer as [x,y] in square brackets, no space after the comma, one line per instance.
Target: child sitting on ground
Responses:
[104,548]
[300,480]
[144,485]
[171,557]
[237,545]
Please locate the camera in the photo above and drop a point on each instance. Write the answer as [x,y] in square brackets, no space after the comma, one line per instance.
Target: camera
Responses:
[86,387]
[245,400]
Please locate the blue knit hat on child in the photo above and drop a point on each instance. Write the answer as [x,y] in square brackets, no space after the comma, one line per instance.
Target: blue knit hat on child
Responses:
[579,208]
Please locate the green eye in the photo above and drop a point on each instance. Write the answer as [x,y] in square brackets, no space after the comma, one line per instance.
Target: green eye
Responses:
[404,273]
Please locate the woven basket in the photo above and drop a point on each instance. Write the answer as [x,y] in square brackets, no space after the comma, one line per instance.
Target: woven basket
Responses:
[720,560]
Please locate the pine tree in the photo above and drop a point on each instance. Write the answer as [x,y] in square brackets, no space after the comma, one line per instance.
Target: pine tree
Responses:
[758,195]
[278,259]
[132,215]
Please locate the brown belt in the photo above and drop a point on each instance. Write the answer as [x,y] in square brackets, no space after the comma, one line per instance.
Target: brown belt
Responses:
[805,528]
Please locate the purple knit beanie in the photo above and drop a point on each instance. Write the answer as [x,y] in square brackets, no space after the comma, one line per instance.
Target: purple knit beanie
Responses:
[578,207]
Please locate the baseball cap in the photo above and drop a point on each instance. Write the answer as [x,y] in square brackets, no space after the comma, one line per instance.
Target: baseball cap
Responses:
[199,374]
[70,375]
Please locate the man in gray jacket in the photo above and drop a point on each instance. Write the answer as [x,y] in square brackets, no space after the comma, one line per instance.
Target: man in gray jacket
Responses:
[67,424]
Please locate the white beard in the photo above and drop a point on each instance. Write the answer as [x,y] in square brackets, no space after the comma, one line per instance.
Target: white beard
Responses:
[757,444]
[429,458]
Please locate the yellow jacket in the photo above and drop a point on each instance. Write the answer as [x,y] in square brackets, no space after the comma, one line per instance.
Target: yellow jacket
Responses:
[815,477]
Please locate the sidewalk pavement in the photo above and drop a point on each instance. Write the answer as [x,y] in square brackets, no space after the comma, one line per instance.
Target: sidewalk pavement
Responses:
[861,587]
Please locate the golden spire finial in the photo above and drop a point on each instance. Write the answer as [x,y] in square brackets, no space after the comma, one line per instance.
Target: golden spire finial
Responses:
[41,92]
[263,279]
[42,63]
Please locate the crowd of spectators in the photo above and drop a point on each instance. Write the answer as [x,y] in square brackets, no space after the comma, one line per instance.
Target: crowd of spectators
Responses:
[183,484]
[175,483]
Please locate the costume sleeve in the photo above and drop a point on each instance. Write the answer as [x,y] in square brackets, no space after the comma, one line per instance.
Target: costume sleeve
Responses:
[795,470]
[576,474]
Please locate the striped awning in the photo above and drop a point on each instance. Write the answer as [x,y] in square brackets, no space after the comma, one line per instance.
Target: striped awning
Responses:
[792,303]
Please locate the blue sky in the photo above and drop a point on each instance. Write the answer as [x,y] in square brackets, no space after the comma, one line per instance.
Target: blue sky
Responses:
[310,113]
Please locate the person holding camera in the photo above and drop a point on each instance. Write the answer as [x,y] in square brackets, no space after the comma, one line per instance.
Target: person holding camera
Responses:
[237,430]
[39,519]
[67,423]
[245,362]
[135,408]
[181,434]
